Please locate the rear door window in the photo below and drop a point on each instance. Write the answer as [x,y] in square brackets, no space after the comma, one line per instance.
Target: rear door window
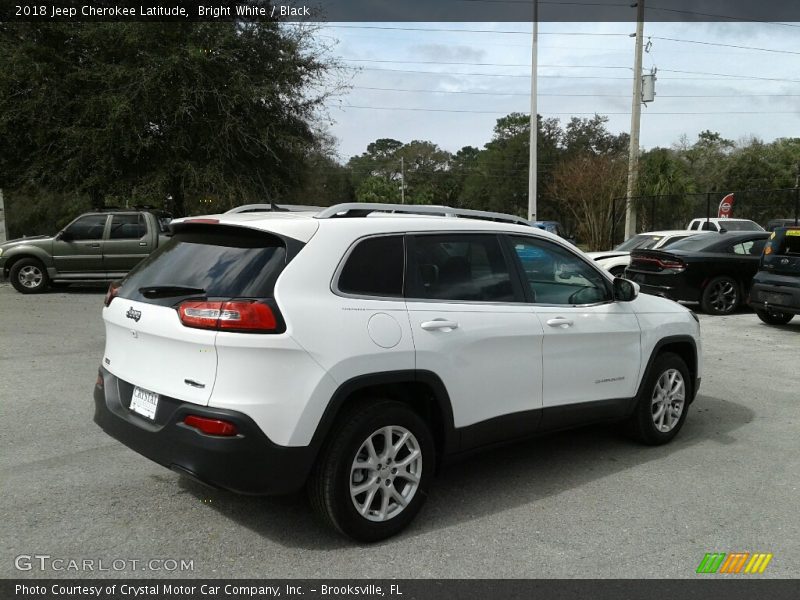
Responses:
[223,262]
[127,227]
[374,268]
[461,267]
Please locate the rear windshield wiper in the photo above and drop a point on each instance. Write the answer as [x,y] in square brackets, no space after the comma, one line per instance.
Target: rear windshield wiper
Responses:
[166,291]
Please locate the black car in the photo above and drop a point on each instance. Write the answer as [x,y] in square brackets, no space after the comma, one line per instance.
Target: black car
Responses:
[775,294]
[714,269]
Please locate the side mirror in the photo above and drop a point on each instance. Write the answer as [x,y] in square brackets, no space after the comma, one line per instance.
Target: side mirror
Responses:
[624,290]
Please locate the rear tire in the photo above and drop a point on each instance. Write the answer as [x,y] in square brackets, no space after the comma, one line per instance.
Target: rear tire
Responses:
[379,499]
[29,276]
[774,317]
[721,296]
[663,401]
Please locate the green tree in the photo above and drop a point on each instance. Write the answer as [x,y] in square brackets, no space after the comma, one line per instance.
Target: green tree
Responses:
[378,189]
[217,111]
[706,160]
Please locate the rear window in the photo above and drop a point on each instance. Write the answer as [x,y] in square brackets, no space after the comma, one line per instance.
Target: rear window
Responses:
[225,262]
[785,242]
[700,241]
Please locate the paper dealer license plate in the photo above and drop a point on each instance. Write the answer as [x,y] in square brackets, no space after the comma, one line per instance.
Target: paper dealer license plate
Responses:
[144,403]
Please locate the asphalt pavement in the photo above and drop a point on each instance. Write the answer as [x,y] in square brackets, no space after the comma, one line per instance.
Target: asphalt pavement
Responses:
[587,503]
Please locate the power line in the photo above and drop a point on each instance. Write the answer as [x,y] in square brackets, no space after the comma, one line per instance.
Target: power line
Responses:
[570,33]
[505,112]
[479,64]
[718,16]
[505,93]
[446,30]
[490,74]
[728,75]
[528,66]
[604,77]
[720,44]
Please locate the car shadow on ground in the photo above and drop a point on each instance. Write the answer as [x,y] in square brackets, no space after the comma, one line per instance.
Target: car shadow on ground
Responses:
[526,471]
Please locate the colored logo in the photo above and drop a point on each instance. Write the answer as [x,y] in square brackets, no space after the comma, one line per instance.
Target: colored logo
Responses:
[734,562]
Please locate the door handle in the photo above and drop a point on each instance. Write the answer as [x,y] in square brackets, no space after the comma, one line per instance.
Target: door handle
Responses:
[562,322]
[143,243]
[440,325]
[93,245]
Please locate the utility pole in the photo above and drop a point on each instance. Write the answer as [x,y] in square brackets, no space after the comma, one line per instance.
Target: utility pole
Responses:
[3,230]
[532,165]
[402,181]
[796,196]
[636,114]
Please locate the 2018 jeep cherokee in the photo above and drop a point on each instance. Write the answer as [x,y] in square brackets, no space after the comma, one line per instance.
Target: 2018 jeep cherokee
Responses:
[356,349]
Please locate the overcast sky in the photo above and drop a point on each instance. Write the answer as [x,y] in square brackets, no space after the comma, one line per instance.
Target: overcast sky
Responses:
[578,75]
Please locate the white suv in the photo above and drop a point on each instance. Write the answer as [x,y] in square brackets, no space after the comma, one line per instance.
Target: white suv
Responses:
[355,350]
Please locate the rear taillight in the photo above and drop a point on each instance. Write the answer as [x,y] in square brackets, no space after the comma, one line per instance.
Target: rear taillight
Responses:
[249,316]
[211,426]
[674,265]
[663,263]
[112,292]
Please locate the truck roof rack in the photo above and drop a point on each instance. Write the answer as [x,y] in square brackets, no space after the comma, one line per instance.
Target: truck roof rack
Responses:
[363,209]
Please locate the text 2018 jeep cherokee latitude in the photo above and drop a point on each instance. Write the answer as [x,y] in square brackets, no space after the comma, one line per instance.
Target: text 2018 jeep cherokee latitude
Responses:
[352,354]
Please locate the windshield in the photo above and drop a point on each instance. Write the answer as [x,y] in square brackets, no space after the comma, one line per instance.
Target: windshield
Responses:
[639,242]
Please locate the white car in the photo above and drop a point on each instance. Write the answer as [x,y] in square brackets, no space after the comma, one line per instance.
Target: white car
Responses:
[354,351]
[617,260]
[719,223]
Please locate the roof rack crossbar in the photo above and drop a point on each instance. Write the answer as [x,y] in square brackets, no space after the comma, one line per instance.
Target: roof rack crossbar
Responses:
[362,209]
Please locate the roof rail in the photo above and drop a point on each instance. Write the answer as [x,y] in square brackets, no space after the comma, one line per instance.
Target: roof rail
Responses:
[362,209]
[273,207]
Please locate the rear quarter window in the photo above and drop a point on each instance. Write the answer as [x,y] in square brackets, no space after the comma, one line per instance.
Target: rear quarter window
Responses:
[374,267]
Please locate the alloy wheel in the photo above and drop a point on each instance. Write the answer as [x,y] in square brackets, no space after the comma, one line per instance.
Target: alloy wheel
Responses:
[724,296]
[668,401]
[385,473]
[30,276]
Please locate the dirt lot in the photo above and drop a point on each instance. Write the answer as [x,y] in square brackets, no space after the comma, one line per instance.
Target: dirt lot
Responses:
[587,503]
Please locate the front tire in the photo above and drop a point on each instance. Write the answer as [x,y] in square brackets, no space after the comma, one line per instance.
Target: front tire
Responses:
[29,276]
[663,401]
[721,296]
[373,475]
[774,317]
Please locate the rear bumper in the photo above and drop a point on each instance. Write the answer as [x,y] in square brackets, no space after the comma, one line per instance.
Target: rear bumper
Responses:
[248,463]
[656,285]
[779,298]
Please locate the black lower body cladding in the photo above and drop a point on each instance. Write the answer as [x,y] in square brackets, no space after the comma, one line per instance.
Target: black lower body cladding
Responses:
[248,463]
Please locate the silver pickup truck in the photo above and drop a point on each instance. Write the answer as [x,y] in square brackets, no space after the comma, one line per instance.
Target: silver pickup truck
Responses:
[97,246]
